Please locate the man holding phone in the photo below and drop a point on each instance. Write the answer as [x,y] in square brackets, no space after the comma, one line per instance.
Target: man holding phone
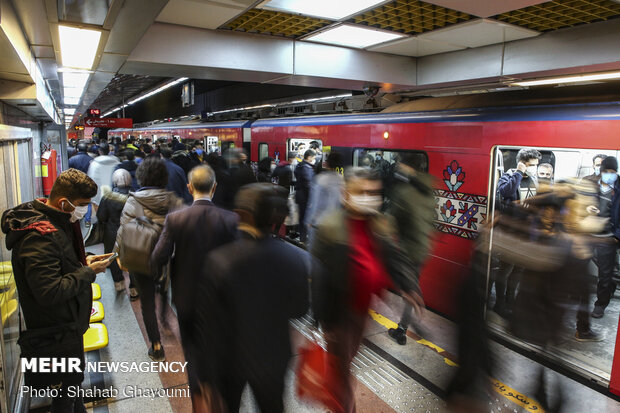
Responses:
[53,277]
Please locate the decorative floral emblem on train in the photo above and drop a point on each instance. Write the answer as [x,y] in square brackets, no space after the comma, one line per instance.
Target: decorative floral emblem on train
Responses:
[454,176]
[458,213]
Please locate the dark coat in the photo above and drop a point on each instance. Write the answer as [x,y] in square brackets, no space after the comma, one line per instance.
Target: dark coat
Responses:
[508,186]
[303,174]
[191,233]
[49,265]
[615,210]
[109,215]
[177,181]
[284,174]
[242,320]
[80,161]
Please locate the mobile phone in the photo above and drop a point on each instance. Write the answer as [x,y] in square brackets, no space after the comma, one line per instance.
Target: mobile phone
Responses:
[111,257]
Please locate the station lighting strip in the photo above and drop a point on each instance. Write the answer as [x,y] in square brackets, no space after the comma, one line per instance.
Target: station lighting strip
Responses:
[569,79]
[149,94]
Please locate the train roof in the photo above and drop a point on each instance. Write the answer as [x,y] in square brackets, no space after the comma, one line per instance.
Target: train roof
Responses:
[590,111]
[191,124]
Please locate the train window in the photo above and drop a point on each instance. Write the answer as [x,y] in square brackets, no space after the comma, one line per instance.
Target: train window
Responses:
[300,146]
[384,160]
[263,151]
[517,263]
[212,144]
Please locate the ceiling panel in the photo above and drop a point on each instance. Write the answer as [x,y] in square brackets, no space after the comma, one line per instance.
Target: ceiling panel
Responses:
[480,32]
[111,62]
[275,23]
[558,14]
[485,8]
[43,52]
[202,13]
[416,46]
[411,16]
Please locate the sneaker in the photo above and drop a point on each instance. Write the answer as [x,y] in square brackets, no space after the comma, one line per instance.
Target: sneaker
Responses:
[588,336]
[598,311]
[399,334]
[119,286]
[133,294]
[157,355]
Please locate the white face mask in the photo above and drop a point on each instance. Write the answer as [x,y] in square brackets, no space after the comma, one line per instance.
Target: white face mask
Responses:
[597,170]
[531,171]
[365,204]
[78,212]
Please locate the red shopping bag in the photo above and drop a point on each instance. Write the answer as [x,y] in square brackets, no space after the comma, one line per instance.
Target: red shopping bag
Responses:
[317,377]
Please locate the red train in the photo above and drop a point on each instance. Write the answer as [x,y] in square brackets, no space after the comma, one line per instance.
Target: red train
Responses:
[466,152]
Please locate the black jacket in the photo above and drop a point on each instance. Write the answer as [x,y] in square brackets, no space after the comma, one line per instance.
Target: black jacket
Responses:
[109,214]
[284,174]
[49,264]
[191,233]
[303,174]
[243,285]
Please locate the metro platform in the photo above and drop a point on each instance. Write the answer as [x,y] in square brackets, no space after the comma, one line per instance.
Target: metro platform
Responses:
[389,377]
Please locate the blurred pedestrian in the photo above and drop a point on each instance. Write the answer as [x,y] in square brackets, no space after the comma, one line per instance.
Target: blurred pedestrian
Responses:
[356,247]
[177,181]
[241,287]
[154,202]
[190,234]
[109,216]
[304,173]
[101,170]
[264,170]
[81,161]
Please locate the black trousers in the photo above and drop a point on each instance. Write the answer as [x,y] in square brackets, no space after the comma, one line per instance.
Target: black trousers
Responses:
[267,386]
[606,260]
[147,290]
[117,274]
[66,404]
[303,231]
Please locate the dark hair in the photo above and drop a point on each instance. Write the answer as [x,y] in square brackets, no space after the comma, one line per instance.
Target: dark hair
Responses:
[265,202]
[140,154]
[309,153]
[314,145]
[600,155]
[264,165]
[146,148]
[165,151]
[292,154]
[152,172]
[357,172]
[82,147]
[202,178]
[335,160]
[73,184]
[129,154]
[526,154]
[104,148]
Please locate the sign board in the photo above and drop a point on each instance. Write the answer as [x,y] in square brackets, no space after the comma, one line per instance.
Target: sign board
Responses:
[109,122]
[94,112]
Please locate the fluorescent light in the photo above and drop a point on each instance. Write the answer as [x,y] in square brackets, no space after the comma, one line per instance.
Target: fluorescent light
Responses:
[353,36]
[570,79]
[78,47]
[328,9]
[75,79]
[73,92]
[71,101]
[69,111]
[156,91]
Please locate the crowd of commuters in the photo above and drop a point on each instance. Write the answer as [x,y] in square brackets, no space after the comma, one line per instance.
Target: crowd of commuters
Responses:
[206,224]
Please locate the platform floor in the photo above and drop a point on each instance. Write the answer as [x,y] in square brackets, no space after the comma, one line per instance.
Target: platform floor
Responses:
[389,377]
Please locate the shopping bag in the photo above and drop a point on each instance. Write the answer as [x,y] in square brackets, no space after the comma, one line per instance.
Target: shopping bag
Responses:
[317,377]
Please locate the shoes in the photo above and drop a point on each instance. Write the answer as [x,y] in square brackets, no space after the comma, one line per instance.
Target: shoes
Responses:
[119,286]
[399,334]
[588,336]
[133,294]
[157,355]
[598,311]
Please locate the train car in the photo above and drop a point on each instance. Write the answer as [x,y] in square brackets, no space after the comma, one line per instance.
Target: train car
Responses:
[466,152]
[216,136]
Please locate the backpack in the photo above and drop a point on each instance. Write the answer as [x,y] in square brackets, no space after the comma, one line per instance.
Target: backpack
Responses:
[138,239]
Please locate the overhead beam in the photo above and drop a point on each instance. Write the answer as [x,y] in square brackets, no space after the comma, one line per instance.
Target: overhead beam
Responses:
[176,51]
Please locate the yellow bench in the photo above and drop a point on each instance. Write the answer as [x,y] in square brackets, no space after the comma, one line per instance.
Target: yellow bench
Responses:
[96,291]
[96,312]
[96,337]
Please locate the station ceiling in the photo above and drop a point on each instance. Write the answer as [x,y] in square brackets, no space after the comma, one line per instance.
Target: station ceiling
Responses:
[444,43]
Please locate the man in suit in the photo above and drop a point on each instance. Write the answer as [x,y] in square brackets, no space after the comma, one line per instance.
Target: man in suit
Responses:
[191,233]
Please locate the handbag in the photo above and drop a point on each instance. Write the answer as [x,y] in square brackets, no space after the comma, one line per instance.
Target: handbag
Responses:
[318,377]
[56,342]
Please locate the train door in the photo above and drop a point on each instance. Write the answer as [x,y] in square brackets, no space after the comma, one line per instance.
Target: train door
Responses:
[541,271]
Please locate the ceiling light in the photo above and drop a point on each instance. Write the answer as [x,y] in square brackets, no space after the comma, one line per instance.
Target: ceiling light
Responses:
[353,36]
[569,79]
[71,101]
[73,92]
[78,47]
[328,9]
[69,111]
[75,79]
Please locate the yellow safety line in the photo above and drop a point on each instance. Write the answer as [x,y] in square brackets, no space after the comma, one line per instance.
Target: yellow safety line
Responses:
[508,392]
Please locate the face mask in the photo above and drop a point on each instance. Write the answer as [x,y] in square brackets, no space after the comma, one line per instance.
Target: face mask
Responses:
[378,157]
[312,162]
[78,212]
[597,170]
[531,171]
[365,204]
[609,178]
